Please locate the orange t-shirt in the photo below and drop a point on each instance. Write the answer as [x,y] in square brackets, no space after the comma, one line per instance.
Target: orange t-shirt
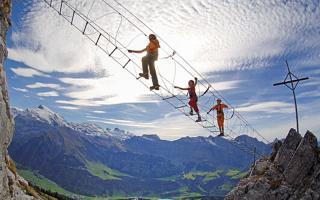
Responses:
[153,46]
[219,108]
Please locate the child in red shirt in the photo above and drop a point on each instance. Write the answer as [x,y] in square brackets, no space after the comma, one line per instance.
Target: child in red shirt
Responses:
[193,98]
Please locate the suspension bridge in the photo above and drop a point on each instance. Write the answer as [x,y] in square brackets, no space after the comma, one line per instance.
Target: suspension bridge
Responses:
[93,21]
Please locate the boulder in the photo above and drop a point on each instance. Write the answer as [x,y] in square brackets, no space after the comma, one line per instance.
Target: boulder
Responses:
[287,149]
[292,172]
[302,160]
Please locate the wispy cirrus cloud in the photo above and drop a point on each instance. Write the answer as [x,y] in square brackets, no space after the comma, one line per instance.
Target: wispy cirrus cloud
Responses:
[249,37]
[314,81]
[68,107]
[28,72]
[226,85]
[103,91]
[267,107]
[83,103]
[20,89]
[43,85]
[127,123]
[240,37]
[169,127]
[99,111]
[48,94]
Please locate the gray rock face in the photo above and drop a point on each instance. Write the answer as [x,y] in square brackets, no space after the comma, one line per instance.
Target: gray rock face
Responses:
[6,123]
[287,148]
[275,148]
[9,180]
[291,172]
[302,161]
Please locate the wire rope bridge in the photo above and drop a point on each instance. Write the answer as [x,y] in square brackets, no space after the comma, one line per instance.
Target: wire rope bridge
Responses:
[107,24]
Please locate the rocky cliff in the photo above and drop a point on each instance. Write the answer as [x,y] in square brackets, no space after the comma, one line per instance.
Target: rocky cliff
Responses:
[12,186]
[291,172]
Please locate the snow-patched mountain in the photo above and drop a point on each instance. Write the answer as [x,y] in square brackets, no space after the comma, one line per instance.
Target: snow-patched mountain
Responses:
[119,134]
[44,115]
[89,129]
[69,154]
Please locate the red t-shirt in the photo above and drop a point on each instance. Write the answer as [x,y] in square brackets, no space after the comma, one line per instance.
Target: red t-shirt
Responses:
[192,92]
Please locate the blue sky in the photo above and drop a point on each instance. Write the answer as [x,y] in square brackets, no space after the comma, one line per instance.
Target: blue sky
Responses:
[239,48]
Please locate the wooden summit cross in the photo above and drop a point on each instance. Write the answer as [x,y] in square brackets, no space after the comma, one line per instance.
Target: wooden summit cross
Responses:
[291,81]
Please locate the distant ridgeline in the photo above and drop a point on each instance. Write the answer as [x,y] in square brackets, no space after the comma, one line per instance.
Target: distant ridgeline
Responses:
[84,159]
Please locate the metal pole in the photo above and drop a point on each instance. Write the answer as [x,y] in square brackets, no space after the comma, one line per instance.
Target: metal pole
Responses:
[296,107]
[294,97]
[288,67]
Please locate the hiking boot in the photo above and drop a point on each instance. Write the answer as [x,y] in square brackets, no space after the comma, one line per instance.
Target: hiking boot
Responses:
[221,135]
[154,87]
[191,112]
[198,120]
[143,75]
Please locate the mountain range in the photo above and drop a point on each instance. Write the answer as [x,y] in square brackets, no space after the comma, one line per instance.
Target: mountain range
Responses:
[85,159]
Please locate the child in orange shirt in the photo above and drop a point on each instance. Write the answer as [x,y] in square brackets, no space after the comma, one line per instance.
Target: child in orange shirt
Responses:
[220,115]
[149,59]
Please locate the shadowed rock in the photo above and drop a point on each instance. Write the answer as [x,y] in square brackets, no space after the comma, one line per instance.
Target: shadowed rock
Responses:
[10,187]
[287,149]
[275,148]
[303,159]
[292,172]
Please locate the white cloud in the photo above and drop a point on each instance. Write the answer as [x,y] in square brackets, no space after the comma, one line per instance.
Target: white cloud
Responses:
[232,35]
[48,94]
[99,111]
[281,128]
[309,94]
[311,82]
[211,35]
[20,89]
[316,71]
[78,103]
[268,107]
[49,44]
[243,39]
[114,90]
[69,107]
[104,91]
[224,36]
[128,123]
[226,85]
[28,72]
[43,85]
[137,108]
[170,127]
